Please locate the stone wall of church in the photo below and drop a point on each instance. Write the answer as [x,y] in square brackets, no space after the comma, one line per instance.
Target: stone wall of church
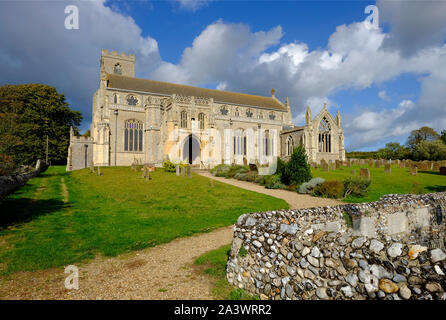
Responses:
[80,153]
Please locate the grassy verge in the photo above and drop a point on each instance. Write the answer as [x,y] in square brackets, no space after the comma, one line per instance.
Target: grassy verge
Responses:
[213,263]
[113,213]
[398,182]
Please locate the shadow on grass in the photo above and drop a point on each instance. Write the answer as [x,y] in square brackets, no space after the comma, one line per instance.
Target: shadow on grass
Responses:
[436,188]
[16,211]
[437,173]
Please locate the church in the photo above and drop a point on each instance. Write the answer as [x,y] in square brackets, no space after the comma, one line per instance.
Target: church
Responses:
[151,121]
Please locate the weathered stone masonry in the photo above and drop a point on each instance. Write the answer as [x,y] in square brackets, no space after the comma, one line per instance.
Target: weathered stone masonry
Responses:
[389,249]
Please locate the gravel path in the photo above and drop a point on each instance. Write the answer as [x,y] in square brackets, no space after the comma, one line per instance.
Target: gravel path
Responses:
[163,272]
[294,199]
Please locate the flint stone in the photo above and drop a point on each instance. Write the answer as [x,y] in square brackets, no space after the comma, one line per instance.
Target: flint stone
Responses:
[347,291]
[376,246]
[288,228]
[352,279]
[395,250]
[313,261]
[358,242]
[437,255]
[250,222]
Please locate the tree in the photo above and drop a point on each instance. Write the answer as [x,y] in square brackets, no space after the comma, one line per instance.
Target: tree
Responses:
[393,150]
[28,114]
[296,170]
[430,150]
[443,136]
[422,134]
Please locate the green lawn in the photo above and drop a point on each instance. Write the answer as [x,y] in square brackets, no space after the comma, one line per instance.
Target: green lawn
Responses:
[213,263]
[398,182]
[113,213]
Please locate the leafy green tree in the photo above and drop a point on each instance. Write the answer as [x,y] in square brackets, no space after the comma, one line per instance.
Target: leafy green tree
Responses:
[443,136]
[28,114]
[430,150]
[296,170]
[422,134]
[393,150]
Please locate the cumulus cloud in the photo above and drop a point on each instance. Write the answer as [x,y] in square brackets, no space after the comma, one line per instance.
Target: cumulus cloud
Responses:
[36,47]
[192,5]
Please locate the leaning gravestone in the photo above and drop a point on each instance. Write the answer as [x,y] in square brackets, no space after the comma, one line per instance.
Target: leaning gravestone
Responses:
[413,170]
[387,168]
[324,166]
[365,173]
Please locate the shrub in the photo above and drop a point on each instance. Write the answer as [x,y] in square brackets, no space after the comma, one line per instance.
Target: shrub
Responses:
[260,180]
[251,176]
[330,189]
[220,171]
[356,186]
[234,169]
[308,187]
[169,166]
[348,219]
[297,170]
[274,182]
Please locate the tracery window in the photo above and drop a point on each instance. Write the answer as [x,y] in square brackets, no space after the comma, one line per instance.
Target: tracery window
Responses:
[260,115]
[240,142]
[289,146]
[272,116]
[117,69]
[249,113]
[224,110]
[324,136]
[115,98]
[237,113]
[132,101]
[133,130]
[268,149]
[183,119]
[201,120]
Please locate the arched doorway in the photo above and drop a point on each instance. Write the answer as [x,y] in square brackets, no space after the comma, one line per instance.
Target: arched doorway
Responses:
[191,150]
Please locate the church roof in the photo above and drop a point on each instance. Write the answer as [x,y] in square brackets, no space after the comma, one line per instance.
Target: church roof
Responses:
[166,88]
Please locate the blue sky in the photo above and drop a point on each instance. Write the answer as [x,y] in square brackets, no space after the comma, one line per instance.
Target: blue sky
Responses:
[386,81]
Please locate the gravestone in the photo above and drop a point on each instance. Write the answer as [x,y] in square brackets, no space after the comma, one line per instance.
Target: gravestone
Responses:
[91,166]
[413,170]
[182,171]
[436,167]
[348,164]
[189,171]
[365,173]
[371,162]
[211,183]
[378,164]
[177,170]
[146,173]
[387,168]
[324,166]
[353,172]
[245,162]
[443,171]
[337,164]
[99,170]
[402,164]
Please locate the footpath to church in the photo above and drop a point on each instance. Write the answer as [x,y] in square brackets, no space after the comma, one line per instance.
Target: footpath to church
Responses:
[294,199]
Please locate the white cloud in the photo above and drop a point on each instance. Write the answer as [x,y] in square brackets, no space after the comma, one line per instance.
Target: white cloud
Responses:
[383,95]
[36,47]
[192,5]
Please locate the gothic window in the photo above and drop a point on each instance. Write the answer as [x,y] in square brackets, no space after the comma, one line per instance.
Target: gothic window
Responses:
[224,110]
[183,119]
[324,137]
[133,135]
[237,113]
[249,113]
[260,115]
[289,146]
[132,101]
[118,69]
[268,149]
[115,98]
[239,142]
[272,116]
[201,120]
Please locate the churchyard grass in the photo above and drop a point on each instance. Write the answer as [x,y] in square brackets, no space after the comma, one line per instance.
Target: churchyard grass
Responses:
[398,182]
[113,213]
[213,263]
